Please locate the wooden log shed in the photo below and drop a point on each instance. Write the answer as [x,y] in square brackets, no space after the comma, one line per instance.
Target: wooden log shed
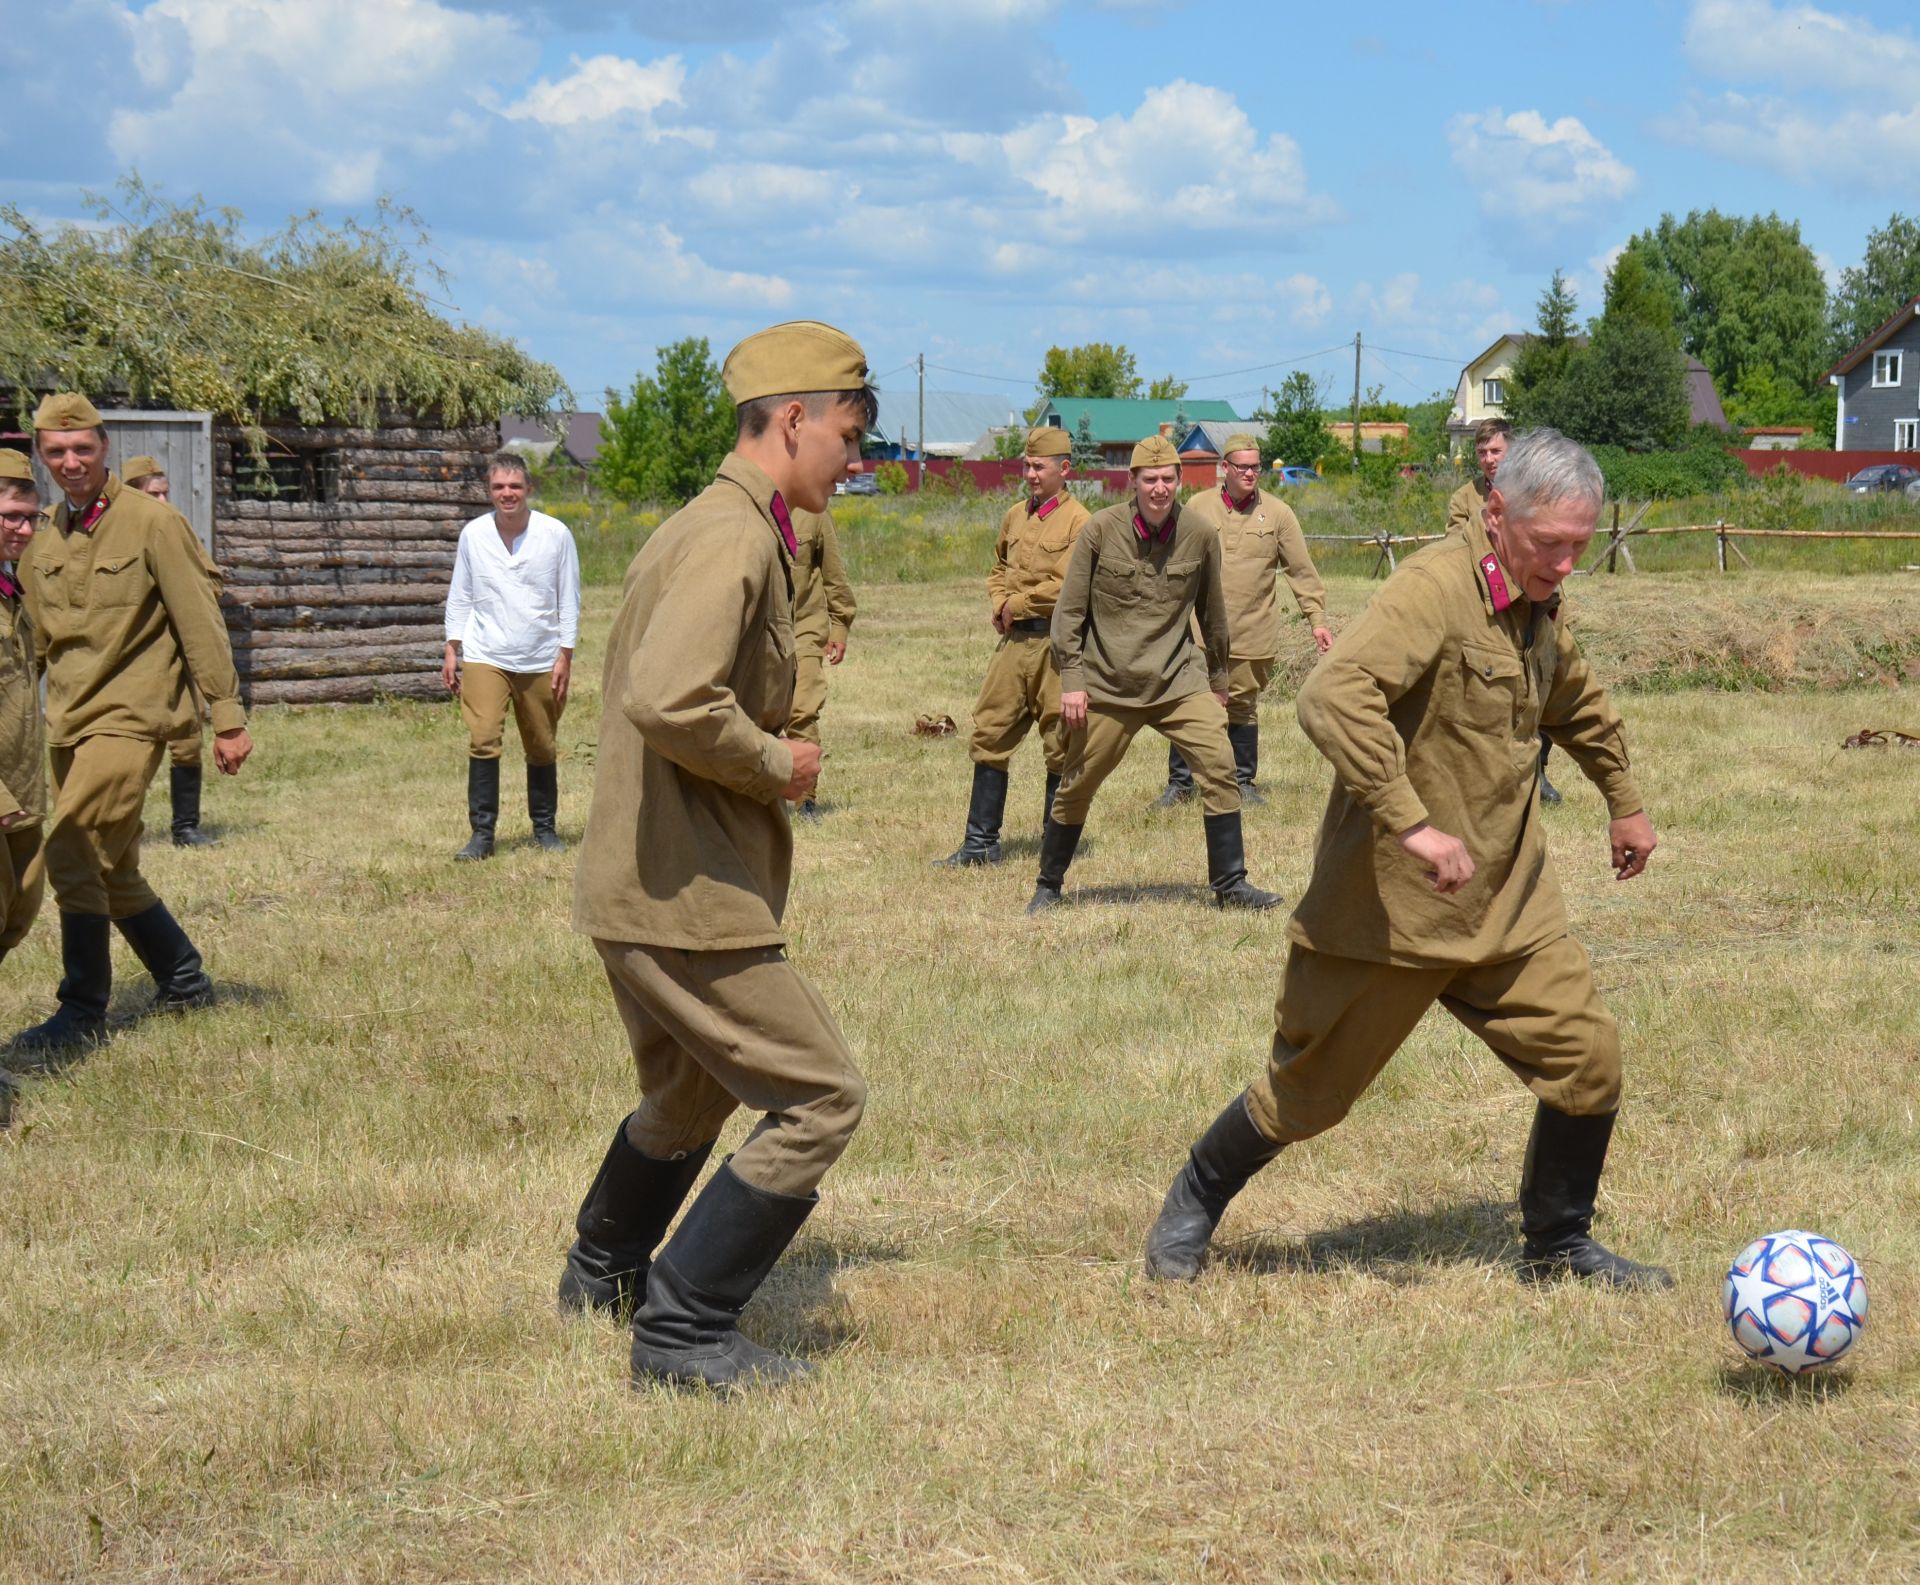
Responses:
[337,552]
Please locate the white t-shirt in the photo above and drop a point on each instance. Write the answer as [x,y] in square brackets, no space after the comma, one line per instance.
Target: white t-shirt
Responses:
[515,609]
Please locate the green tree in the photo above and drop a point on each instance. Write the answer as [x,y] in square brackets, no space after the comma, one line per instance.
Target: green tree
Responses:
[663,442]
[1166,389]
[1869,292]
[1099,368]
[1297,433]
[1745,290]
[1628,387]
[1538,389]
[1086,450]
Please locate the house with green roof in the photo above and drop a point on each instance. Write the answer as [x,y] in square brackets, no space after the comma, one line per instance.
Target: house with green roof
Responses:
[1120,423]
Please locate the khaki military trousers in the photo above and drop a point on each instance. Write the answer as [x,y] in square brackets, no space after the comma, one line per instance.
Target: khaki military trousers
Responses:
[809,698]
[1246,681]
[485,693]
[1339,1020]
[712,1031]
[185,751]
[1196,725]
[1021,691]
[93,836]
[22,882]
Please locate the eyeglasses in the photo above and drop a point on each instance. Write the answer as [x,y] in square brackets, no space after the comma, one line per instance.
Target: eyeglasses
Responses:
[1243,467]
[18,519]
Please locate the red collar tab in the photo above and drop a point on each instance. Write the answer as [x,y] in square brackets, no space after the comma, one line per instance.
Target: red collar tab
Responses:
[1238,506]
[84,521]
[1164,531]
[1040,509]
[785,524]
[7,586]
[1496,581]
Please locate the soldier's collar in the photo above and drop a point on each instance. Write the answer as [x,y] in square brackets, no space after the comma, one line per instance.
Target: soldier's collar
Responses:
[752,479]
[1147,532]
[1043,509]
[1253,500]
[1496,589]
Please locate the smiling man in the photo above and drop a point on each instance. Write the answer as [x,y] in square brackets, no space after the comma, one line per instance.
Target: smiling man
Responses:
[1431,879]
[1143,578]
[128,625]
[683,877]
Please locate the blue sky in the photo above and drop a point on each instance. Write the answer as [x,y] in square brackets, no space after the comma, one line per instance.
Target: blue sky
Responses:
[1223,187]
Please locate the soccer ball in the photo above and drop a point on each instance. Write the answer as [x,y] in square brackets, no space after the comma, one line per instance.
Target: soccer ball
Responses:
[1795,1301]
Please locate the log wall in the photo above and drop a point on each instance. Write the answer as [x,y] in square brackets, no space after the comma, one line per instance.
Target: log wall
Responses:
[341,601]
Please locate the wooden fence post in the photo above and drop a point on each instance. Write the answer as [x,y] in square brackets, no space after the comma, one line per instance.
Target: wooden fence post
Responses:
[1613,549]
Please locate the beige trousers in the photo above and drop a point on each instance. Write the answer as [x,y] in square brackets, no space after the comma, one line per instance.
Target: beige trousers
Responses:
[23,876]
[1246,681]
[1196,725]
[1020,691]
[809,698]
[93,836]
[485,693]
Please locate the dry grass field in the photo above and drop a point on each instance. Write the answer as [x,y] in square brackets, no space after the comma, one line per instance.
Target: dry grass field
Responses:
[276,1280]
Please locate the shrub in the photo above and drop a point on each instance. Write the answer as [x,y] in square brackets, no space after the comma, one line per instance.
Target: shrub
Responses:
[891,477]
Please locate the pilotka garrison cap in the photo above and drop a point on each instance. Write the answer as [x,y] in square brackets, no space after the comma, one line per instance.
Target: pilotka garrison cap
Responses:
[1049,441]
[1156,451]
[793,359]
[66,410]
[1240,442]
[138,468]
[14,465]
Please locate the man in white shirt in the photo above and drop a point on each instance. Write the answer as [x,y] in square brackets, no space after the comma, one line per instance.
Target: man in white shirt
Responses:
[513,612]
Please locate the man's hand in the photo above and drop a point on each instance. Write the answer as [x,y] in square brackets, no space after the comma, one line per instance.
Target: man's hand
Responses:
[450,668]
[1000,619]
[230,750]
[1448,863]
[806,769]
[562,680]
[1322,639]
[1633,844]
[8,822]
[835,653]
[1073,710]
[1221,695]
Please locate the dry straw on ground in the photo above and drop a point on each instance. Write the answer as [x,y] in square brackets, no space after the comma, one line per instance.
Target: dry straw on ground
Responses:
[275,1282]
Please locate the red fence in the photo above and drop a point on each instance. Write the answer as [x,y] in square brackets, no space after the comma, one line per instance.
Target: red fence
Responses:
[1838,466]
[1000,475]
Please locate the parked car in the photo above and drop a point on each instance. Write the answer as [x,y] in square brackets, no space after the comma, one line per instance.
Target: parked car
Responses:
[1913,491]
[1883,476]
[858,484]
[1297,475]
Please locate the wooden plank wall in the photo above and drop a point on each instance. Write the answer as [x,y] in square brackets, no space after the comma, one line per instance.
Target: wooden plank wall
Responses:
[342,601]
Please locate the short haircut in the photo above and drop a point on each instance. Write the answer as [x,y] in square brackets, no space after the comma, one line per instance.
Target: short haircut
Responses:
[24,488]
[751,418]
[1543,468]
[1487,428]
[508,462]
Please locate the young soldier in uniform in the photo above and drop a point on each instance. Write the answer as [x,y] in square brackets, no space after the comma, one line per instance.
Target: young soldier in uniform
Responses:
[1491,437]
[184,772]
[1022,686]
[128,627]
[1431,879]
[1259,536]
[23,737]
[823,612]
[513,613]
[683,881]
[1143,575]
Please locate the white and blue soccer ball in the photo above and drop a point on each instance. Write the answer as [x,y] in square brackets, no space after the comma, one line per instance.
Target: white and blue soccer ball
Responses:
[1795,1301]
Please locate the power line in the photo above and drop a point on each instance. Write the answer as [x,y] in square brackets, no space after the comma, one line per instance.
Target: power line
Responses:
[877,378]
[1261,368]
[1400,352]
[974,374]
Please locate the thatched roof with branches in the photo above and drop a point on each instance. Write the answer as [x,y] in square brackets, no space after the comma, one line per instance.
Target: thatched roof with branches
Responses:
[315,324]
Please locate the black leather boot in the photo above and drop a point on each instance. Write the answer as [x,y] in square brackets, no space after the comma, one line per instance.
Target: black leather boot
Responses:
[1179,786]
[86,982]
[986,808]
[1057,843]
[621,1222]
[543,805]
[1227,866]
[1218,1166]
[1549,794]
[1558,1185]
[183,788]
[1245,739]
[1046,809]
[180,979]
[686,1333]
[483,809]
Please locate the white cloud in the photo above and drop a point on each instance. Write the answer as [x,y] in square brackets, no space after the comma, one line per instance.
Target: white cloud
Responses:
[1803,46]
[1306,299]
[1536,173]
[602,88]
[758,187]
[1391,304]
[645,261]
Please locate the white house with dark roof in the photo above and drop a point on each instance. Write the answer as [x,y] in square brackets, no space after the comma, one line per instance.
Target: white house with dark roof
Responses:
[1879,386]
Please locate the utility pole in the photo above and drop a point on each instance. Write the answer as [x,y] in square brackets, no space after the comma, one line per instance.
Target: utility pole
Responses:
[1356,399]
[923,416]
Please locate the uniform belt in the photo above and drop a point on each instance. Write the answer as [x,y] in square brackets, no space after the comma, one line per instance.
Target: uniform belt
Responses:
[1029,624]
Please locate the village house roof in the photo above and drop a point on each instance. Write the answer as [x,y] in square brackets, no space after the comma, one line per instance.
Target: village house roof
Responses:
[1121,421]
[1857,354]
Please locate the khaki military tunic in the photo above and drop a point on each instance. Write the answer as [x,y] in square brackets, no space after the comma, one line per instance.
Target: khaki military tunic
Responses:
[1466,505]
[1022,685]
[23,753]
[1123,634]
[684,868]
[1429,709]
[1257,544]
[823,613]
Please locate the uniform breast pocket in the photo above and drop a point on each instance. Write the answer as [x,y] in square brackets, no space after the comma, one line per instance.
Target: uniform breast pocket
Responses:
[1055,542]
[1181,576]
[117,582]
[1490,689]
[49,580]
[1117,582]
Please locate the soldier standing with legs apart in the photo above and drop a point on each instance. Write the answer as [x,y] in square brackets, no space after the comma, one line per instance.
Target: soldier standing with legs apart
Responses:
[1431,880]
[129,629]
[1259,536]
[683,882]
[1022,686]
[823,612]
[1143,576]
[513,614]
[184,775]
